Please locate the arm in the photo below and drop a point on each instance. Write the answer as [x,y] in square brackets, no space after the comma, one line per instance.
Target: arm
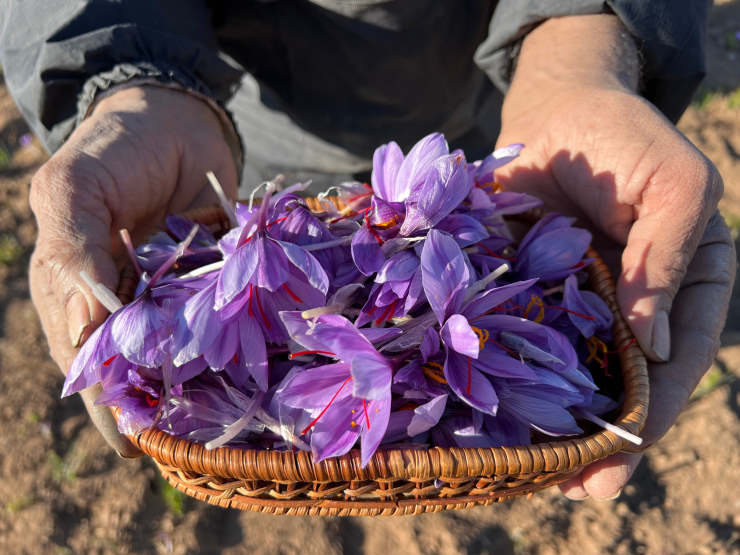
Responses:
[57,56]
[599,151]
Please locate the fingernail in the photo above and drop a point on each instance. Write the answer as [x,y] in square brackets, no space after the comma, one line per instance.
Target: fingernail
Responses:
[613,497]
[78,318]
[662,336]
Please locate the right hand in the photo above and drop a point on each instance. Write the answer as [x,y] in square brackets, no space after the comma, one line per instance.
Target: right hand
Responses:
[142,154]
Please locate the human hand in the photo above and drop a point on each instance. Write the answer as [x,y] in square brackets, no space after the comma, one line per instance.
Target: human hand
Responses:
[598,151]
[142,154]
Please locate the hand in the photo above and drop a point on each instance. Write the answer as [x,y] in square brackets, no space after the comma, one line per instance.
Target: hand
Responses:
[141,155]
[598,151]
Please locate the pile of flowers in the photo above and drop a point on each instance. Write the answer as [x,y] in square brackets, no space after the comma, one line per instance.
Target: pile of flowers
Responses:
[407,313]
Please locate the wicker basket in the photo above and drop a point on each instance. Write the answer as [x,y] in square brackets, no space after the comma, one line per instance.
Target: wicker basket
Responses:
[399,481]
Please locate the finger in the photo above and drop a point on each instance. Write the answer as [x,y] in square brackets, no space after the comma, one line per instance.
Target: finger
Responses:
[673,212]
[71,239]
[103,419]
[573,488]
[697,319]
[73,236]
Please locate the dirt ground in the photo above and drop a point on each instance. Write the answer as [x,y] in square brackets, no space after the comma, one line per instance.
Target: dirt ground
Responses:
[63,491]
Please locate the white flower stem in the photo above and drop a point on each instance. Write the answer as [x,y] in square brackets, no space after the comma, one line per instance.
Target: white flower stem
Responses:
[226,204]
[328,244]
[481,284]
[207,269]
[129,244]
[624,434]
[105,296]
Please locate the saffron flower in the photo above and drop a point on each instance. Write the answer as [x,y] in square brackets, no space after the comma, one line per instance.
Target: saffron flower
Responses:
[350,398]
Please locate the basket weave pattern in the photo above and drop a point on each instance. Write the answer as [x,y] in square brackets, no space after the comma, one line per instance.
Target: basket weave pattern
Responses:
[398,481]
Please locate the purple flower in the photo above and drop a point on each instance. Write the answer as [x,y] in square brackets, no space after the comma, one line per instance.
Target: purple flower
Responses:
[397,289]
[552,249]
[350,398]
[233,342]
[586,310]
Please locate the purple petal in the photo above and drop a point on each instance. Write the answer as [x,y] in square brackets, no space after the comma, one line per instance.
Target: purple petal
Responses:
[366,251]
[465,229]
[377,413]
[371,377]
[494,362]
[445,187]
[459,336]
[85,368]
[469,384]
[498,158]
[444,272]
[335,436]
[387,160]
[237,272]
[589,304]
[253,350]
[485,301]
[416,165]
[547,417]
[315,388]
[430,344]
[306,263]
[198,325]
[399,267]
[137,331]
[330,333]
[427,415]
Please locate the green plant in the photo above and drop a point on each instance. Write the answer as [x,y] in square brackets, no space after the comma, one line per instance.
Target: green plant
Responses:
[733,99]
[703,97]
[10,249]
[172,498]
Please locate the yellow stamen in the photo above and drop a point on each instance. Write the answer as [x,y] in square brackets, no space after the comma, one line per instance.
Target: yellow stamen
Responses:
[434,371]
[535,302]
[597,350]
[483,336]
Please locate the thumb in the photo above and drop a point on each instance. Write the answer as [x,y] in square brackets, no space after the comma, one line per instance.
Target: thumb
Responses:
[71,240]
[676,204]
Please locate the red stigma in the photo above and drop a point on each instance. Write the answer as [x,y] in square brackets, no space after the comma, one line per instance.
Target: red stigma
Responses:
[367,418]
[301,353]
[326,407]
[585,316]
[251,298]
[110,360]
[151,401]
[495,255]
[387,313]
[293,296]
[259,305]
[277,221]
[374,233]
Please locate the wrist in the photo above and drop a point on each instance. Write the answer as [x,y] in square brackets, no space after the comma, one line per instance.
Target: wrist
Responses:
[568,54]
[145,94]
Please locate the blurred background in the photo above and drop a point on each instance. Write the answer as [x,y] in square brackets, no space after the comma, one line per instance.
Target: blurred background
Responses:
[62,490]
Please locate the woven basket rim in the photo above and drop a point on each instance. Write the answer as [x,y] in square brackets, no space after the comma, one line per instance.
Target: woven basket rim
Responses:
[411,463]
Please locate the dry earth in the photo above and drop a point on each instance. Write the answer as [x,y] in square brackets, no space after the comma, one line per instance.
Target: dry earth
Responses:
[63,491]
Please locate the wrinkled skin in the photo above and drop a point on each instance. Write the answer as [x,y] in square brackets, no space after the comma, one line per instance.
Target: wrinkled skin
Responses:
[141,155]
[600,152]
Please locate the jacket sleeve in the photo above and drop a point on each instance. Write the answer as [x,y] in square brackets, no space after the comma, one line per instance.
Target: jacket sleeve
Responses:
[57,55]
[671,36]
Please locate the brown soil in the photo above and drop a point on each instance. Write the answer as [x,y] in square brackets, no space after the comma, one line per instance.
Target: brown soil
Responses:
[62,490]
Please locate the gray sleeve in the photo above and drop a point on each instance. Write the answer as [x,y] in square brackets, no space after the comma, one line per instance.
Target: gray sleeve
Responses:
[56,54]
[670,33]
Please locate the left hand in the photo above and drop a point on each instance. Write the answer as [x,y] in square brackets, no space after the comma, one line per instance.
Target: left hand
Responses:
[596,150]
